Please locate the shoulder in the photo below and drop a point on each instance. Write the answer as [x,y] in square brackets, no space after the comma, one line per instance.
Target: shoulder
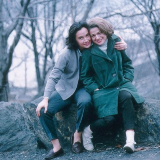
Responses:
[86,52]
[115,38]
[89,50]
[67,51]
[64,56]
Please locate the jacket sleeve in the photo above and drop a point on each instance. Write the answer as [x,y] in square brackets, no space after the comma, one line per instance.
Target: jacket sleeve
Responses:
[56,73]
[128,70]
[87,72]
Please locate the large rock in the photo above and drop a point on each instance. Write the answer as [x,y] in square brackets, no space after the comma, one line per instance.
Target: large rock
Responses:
[21,129]
[34,124]
[14,130]
[147,125]
[148,122]
[64,120]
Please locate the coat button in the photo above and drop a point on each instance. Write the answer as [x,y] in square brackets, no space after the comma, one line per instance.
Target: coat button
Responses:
[114,74]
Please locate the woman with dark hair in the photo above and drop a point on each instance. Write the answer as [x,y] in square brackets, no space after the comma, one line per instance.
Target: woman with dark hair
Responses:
[107,75]
[63,88]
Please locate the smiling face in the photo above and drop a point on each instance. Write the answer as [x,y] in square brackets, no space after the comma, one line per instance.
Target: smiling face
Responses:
[83,38]
[97,36]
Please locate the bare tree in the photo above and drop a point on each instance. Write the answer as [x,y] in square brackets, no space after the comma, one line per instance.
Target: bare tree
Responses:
[46,36]
[149,8]
[41,37]
[6,51]
[47,23]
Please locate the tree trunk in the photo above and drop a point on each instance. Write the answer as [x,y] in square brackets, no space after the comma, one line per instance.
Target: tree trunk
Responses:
[6,54]
[157,44]
[149,9]
[36,56]
[3,50]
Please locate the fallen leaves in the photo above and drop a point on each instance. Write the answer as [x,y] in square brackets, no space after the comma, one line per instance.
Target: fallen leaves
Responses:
[140,149]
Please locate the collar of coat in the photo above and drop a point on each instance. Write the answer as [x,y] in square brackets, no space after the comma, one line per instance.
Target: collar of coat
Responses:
[110,47]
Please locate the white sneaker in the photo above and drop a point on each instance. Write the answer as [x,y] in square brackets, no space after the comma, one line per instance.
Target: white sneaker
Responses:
[86,137]
[129,147]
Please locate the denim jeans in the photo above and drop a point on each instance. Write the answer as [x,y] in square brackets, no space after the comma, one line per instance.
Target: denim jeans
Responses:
[125,111]
[84,105]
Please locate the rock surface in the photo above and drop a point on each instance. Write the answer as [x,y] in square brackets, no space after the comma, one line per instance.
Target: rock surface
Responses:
[147,125]
[148,122]
[65,121]
[14,130]
[21,129]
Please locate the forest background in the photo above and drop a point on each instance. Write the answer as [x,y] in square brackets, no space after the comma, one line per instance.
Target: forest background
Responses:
[33,32]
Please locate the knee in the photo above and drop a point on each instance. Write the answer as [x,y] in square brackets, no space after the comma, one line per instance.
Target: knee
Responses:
[110,120]
[85,104]
[84,101]
[128,96]
[42,114]
[124,95]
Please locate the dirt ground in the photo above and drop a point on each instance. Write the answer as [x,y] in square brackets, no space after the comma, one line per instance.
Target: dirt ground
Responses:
[102,153]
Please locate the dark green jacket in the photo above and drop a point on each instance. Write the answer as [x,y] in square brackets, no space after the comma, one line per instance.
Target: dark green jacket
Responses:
[111,73]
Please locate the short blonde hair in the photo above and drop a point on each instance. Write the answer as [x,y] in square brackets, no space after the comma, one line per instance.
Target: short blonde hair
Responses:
[102,24]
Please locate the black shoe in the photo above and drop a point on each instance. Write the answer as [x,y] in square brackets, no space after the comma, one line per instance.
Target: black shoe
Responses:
[52,155]
[77,146]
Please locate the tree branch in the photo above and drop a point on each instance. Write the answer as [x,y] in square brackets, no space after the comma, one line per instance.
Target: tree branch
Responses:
[26,36]
[132,15]
[38,2]
[89,7]
[17,37]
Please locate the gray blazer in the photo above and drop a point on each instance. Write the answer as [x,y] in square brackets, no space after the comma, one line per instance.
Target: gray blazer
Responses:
[65,74]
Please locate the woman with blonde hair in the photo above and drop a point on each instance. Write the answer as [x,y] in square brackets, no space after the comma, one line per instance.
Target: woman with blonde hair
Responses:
[107,75]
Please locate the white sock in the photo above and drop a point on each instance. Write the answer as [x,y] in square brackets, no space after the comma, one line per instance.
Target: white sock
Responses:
[130,136]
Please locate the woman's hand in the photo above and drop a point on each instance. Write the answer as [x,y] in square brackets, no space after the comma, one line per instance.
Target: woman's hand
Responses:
[122,45]
[42,104]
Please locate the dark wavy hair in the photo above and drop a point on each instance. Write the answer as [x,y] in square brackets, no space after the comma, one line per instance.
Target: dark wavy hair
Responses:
[71,39]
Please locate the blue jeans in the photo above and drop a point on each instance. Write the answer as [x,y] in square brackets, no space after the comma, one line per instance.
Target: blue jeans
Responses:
[84,105]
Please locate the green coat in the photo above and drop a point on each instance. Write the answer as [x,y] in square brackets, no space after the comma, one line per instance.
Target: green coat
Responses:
[111,73]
